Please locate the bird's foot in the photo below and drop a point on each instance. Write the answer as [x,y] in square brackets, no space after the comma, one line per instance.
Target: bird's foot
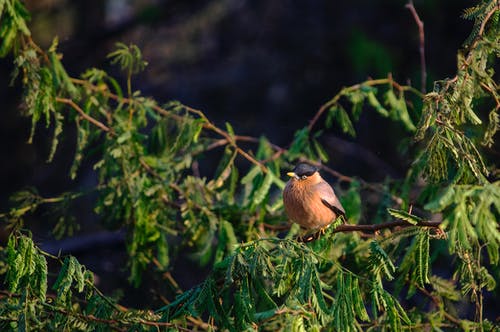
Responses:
[314,236]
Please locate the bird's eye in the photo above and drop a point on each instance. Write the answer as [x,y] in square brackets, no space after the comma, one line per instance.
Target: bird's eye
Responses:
[303,177]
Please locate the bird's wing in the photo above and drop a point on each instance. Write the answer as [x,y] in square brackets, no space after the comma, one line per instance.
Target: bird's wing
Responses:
[329,198]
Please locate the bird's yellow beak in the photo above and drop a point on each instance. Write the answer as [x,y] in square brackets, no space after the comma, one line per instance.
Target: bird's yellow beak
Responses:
[292,174]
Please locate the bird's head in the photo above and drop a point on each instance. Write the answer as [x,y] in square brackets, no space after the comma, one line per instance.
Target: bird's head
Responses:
[304,172]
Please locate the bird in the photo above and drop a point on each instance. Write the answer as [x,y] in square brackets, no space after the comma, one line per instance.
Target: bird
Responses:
[310,201]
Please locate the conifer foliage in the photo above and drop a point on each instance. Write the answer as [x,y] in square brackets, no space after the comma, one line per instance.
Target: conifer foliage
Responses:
[365,275]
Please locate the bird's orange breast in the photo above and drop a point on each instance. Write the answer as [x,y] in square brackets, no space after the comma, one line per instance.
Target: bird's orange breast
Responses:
[305,207]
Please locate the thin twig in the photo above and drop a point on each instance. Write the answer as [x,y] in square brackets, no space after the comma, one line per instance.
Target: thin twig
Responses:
[492,93]
[421,34]
[224,141]
[438,303]
[38,49]
[487,18]
[84,115]
[346,90]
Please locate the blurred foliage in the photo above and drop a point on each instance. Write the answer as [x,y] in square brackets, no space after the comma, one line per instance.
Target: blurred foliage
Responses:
[149,186]
[366,53]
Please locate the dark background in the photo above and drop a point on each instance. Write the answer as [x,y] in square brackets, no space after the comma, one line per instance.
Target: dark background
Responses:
[264,66]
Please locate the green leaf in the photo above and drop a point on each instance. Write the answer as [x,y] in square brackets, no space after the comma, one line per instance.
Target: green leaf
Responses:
[58,129]
[399,111]
[41,277]
[357,98]
[230,130]
[373,101]
[351,201]
[117,89]
[320,151]
[82,139]
[61,79]
[442,201]
[15,263]
[445,288]
[163,251]
[343,119]
[423,258]
[127,135]
[256,170]
[227,240]
[224,170]
[79,278]
[300,144]
[128,57]
[359,306]
[472,116]
[380,261]
[321,306]
[65,279]
[264,297]
[400,214]
[264,315]
[13,18]
[298,324]
[8,35]
[493,127]
[265,150]
[304,283]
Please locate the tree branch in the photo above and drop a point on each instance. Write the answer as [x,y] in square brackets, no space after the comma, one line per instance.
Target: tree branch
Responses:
[231,140]
[346,228]
[486,19]
[84,115]
[421,34]
[377,227]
